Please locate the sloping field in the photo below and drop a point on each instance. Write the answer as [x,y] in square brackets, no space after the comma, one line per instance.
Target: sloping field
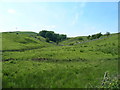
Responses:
[22,40]
[77,66]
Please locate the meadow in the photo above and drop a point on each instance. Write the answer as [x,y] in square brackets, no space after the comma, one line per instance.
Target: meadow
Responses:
[28,61]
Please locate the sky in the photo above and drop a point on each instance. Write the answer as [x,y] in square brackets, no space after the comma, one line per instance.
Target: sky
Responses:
[70,18]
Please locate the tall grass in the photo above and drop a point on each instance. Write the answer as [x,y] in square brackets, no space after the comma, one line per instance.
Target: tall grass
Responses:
[44,65]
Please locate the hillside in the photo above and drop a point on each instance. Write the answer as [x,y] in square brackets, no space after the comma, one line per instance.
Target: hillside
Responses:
[80,39]
[82,65]
[22,40]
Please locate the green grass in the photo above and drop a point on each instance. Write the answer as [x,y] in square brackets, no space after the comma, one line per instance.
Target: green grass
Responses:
[13,41]
[55,74]
[73,40]
[51,66]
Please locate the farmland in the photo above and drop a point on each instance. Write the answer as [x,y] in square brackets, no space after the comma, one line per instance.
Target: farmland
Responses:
[28,61]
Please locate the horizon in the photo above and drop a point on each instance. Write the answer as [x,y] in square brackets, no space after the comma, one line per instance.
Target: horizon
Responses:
[70,18]
[61,33]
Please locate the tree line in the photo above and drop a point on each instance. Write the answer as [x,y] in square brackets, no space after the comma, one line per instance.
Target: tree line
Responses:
[98,35]
[51,36]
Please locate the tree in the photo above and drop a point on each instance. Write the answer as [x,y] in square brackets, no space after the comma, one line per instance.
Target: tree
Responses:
[88,37]
[57,42]
[43,33]
[107,33]
[80,38]
[52,36]
[47,40]
[98,35]
[93,36]
[62,37]
[49,35]
[55,37]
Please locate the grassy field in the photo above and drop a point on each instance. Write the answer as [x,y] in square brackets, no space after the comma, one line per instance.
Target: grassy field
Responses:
[30,62]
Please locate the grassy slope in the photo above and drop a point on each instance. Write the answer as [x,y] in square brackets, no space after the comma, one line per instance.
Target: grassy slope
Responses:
[81,65]
[22,40]
[73,40]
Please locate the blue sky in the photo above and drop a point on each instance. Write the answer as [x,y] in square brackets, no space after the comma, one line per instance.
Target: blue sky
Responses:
[71,18]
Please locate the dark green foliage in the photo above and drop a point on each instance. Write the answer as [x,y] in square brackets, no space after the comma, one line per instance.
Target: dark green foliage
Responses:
[57,42]
[95,36]
[71,44]
[107,33]
[56,37]
[88,37]
[43,33]
[80,38]
[62,37]
[49,35]
[81,51]
[47,40]
[52,36]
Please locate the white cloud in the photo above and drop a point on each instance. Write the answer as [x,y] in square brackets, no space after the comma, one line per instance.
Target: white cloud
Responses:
[12,11]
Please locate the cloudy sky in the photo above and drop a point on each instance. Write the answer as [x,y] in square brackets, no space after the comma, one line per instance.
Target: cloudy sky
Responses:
[71,18]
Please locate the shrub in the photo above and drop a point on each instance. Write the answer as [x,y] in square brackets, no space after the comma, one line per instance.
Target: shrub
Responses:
[85,46]
[47,40]
[81,51]
[88,37]
[109,82]
[52,36]
[71,43]
[95,36]
[80,38]
[107,33]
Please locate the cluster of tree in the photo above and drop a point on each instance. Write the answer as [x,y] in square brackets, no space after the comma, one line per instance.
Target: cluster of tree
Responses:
[107,33]
[94,36]
[98,35]
[51,36]
[80,38]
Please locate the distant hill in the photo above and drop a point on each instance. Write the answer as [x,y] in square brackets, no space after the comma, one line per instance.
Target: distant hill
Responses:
[22,40]
[74,40]
[30,40]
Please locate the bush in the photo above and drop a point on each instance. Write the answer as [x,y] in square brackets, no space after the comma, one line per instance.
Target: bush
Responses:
[52,36]
[47,40]
[71,43]
[95,36]
[107,33]
[88,37]
[109,82]
[80,38]
[81,51]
